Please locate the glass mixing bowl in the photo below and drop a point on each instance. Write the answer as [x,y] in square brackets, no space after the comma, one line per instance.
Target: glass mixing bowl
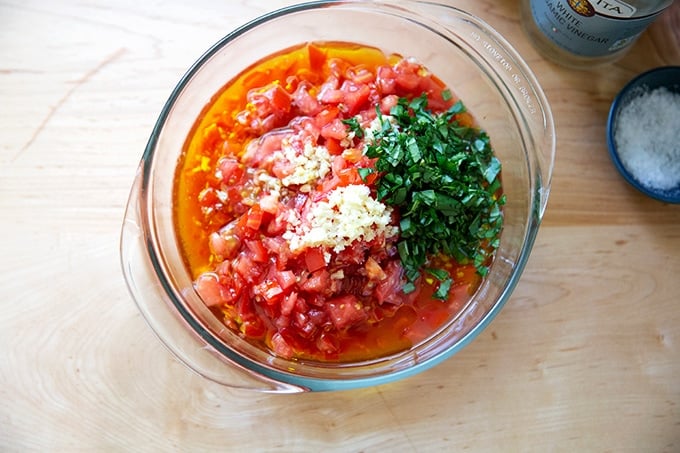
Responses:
[471,58]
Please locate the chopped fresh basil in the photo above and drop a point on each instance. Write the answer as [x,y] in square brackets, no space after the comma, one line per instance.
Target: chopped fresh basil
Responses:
[444,179]
[354,126]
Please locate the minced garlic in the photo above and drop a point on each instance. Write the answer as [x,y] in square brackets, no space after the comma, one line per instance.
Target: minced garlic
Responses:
[350,214]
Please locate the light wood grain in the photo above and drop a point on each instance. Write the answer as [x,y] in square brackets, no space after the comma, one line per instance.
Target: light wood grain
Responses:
[585,356]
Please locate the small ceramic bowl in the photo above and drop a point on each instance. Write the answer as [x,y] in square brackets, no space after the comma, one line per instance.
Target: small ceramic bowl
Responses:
[635,168]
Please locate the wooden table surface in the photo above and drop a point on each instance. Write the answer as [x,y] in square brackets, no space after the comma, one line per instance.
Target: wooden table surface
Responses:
[584,357]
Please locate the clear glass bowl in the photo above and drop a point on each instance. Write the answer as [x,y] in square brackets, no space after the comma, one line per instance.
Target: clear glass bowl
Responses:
[471,58]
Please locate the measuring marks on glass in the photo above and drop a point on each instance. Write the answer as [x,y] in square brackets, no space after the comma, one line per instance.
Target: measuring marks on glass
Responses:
[517,79]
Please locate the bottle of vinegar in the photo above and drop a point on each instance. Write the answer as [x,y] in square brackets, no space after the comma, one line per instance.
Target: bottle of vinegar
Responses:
[584,33]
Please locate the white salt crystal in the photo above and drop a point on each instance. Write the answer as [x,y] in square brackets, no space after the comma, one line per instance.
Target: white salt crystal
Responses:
[647,138]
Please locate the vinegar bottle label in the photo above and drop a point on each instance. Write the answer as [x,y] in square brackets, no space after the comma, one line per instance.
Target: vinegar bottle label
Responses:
[594,28]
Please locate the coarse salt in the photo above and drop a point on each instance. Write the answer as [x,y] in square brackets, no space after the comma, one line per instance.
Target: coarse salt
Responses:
[647,137]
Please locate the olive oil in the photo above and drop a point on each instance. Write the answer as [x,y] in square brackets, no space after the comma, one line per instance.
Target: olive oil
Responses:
[586,33]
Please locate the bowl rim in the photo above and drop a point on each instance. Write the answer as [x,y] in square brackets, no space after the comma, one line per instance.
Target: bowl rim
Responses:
[668,196]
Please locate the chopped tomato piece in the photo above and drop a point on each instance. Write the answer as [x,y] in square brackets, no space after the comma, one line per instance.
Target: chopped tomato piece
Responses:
[317,57]
[289,303]
[286,279]
[333,146]
[317,282]
[209,288]
[269,290]
[335,129]
[360,74]
[281,346]
[373,270]
[305,102]
[254,219]
[349,176]
[345,311]
[258,252]
[327,343]
[385,80]
[253,328]
[257,151]
[314,259]
[329,92]
[270,99]
[246,267]
[355,96]
[326,115]
[407,76]
[387,103]
[389,288]
[338,67]
[224,246]
[231,170]
[269,204]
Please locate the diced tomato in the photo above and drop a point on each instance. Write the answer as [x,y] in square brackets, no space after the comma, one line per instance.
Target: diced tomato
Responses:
[434,91]
[367,116]
[334,147]
[355,96]
[387,103]
[317,282]
[326,115]
[335,129]
[317,57]
[270,99]
[329,92]
[209,288]
[246,267]
[224,246]
[345,311]
[233,283]
[314,259]
[231,170]
[352,255]
[328,184]
[305,328]
[305,102]
[254,219]
[305,131]
[301,305]
[352,155]
[259,150]
[349,176]
[209,200]
[289,303]
[281,347]
[258,252]
[338,163]
[327,343]
[360,74]
[269,291]
[286,279]
[282,168]
[407,76]
[385,80]
[253,328]
[337,67]
[373,270]
[276,245]
[389,289]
